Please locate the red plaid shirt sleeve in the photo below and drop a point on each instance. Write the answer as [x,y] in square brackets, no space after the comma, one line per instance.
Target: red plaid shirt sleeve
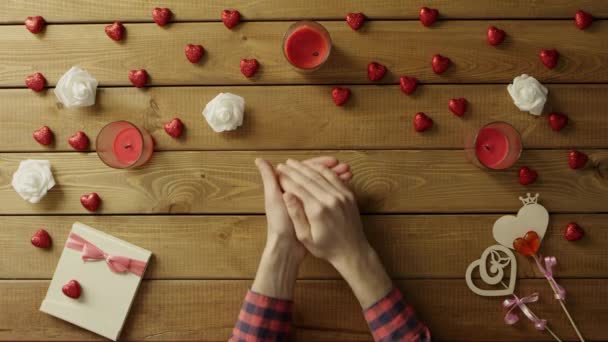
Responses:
[391,319]
[263,319]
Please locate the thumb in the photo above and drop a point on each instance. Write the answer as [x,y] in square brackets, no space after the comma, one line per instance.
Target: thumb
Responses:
[297,215]
[269,178]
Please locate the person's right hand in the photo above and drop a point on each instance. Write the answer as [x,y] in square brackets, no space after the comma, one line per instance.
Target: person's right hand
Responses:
[323,210]
[327,222]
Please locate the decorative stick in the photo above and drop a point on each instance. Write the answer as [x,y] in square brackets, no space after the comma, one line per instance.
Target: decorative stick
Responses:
[558,290]
[546,327]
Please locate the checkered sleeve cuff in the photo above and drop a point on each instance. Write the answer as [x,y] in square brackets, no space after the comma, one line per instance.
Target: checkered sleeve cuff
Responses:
[263,319]
[391,319]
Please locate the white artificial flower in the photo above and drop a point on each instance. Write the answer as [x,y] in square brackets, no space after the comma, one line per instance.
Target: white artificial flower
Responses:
[225,112]
[76,88]
[528,94]
[33,179]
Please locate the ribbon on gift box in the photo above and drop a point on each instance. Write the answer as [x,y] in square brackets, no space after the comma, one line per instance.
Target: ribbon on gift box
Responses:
[116,263]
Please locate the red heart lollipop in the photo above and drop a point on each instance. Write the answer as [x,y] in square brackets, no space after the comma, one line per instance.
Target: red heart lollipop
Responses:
[528,245]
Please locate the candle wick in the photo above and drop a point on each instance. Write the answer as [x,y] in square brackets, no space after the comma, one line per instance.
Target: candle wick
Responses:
[487,147]
[316,53]
[128,146]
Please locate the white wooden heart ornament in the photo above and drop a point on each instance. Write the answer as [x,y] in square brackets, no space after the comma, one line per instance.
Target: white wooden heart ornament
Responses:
[500,258]
[532,216]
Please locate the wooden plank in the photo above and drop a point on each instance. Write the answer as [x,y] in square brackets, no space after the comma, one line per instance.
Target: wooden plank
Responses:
[14,11]
[229,247]
[405,48]
[377,117]
[385,181]
[325,310]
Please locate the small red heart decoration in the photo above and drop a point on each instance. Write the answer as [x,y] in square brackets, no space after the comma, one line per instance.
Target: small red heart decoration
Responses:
[115,31]
[557,121]
[582,19]
[35,24]
[249,67]
[174,128]
[528,245]
[35,82]
[72,289]
[458,106]
[408,84]
[422,122]
[41,239]
[527,175]
[549,57]
[79,141]
[495,36]
[428,16]
[440,63]
[340,95]
[90,201]
[43,135]
[161,16]
[577,159]
[194,53]
[139,78]
[355,20]
[231,18]
[375,71]
[573,232]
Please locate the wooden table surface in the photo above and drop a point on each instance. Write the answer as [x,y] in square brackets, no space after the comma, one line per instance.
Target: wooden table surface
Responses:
[198,204]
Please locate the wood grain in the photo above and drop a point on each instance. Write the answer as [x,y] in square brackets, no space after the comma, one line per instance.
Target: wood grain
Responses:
[229,247]
[385,182]
[207,310]
[406,48]
[15,11]
[376,117]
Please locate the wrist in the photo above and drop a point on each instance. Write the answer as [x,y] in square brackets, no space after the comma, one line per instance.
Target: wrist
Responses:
[365,274]
[278,270]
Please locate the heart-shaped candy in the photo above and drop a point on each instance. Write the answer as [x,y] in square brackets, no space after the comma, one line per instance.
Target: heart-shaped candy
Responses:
[41,239]
[528,245]
[72,289]
[440,64]
[355,20]
[161,16]
[340,95]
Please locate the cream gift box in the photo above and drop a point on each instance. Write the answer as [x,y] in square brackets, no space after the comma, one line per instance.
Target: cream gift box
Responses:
[108,288]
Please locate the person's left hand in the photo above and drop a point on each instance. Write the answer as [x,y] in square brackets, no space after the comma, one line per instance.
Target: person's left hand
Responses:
[280,226]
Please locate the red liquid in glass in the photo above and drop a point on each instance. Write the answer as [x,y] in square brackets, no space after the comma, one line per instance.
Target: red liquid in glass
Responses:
[491,147]
[128,145]
[306,48]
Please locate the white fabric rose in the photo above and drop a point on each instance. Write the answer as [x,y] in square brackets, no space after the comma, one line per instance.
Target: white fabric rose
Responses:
[528,94]
[76,88]
[33,179]
[225,112]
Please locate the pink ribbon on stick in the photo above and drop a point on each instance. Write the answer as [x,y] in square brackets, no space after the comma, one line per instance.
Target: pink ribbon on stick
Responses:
[116,263]
[512,318]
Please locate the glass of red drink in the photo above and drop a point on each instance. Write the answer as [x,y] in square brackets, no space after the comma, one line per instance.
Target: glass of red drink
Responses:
[306,45]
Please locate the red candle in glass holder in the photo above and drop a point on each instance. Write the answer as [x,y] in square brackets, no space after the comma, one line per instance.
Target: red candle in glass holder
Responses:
[123,145]
[307,45]
[496,145]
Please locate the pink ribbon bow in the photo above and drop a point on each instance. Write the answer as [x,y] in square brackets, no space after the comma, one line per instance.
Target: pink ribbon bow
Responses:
[547,271]
[116,263]
[512,318]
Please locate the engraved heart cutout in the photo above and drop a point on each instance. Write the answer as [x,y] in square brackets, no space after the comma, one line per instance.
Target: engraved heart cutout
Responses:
[500,258]
[531,217]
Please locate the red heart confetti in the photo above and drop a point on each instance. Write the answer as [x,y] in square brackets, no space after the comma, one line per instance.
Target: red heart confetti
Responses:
[422,122]
[577,159]
[231,18]
[161,16]
[527,175]
[72,289]
[458,106]
[90,201]
[139,78]
[375,71]
[79,141]
[549,57]
[35,24]
[115,31]
[194,53]
[249,67]
[582,19]
[440,63]
[174,128]
[408,84]
[573,232]
[557,121]
[35,82]
[495,36]
[43,135]
[355,20]
[428,16]
[41,239]
[340,95]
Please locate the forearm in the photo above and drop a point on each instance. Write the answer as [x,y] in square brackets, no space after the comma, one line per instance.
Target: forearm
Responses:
[365,274]
[277,272]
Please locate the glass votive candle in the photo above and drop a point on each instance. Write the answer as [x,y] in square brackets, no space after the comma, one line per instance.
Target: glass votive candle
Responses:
[306,45]
[123,145]
[495,146]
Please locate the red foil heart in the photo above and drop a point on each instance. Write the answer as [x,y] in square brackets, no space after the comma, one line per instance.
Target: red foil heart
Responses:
[528,245]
